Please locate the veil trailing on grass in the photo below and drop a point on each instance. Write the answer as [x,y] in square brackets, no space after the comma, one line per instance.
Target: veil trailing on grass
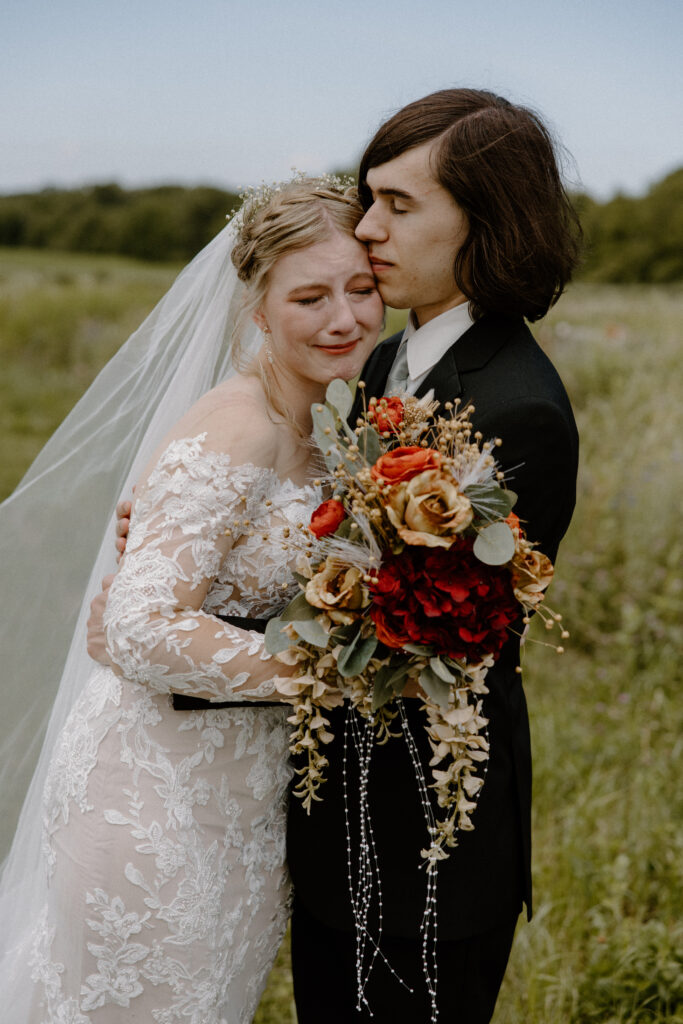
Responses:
[57,541]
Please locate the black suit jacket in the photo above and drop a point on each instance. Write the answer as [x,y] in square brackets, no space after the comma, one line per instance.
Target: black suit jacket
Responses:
[518,396]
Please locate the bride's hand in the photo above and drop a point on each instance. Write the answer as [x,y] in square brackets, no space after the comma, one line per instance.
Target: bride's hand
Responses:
[96,639]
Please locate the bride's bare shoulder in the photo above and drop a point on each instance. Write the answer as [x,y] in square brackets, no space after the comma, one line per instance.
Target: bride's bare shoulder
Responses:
[234,417]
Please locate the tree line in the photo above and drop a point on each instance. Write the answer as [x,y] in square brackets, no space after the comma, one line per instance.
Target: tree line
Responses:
[627,239]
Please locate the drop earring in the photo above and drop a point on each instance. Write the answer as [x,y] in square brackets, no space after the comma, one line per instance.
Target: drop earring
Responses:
[269,351]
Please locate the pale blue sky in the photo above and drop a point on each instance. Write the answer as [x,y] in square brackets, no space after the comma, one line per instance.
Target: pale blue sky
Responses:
[232,92]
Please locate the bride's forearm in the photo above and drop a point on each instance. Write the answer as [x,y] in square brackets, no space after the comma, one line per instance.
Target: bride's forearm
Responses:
[190,652]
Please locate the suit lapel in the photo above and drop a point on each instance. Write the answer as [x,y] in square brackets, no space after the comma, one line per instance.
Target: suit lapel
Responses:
[473,350]
[443,378]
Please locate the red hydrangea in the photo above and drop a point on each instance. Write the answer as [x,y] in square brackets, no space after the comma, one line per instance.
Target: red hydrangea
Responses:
[444,598]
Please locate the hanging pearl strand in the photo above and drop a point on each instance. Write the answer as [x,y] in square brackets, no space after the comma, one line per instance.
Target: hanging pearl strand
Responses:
[361,892]
[428,927]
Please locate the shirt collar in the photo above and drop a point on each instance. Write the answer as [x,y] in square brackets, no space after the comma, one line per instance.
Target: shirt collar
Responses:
[427,344]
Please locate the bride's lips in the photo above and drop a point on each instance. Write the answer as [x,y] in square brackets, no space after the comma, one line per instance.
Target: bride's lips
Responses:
[340,350]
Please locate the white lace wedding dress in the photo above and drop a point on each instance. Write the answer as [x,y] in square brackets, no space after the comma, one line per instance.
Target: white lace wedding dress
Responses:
[164,830]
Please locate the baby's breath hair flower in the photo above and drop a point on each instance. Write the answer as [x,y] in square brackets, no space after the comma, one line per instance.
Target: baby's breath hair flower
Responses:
[254,198]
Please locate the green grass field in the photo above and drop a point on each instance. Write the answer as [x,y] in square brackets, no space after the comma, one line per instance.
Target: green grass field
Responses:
[606,942]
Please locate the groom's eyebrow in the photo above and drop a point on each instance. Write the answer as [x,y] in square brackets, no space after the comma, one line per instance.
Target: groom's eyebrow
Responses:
[398,193]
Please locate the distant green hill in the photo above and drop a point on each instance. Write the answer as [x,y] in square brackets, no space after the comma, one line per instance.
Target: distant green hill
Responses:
[165,223]
[628,239]
[632,240]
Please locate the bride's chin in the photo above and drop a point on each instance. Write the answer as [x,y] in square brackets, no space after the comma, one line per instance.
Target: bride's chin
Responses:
[344,370]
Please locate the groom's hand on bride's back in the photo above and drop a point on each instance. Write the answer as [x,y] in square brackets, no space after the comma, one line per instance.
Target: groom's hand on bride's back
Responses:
[122,526]
[96,640]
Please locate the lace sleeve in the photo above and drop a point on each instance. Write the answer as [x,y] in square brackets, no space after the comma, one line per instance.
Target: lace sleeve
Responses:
[156,631]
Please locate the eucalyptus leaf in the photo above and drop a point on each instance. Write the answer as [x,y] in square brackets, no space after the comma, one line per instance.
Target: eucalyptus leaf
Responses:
[275,640]
[435,687]
[323,419]
[344,528]
[490,500]
[347,632]
[298,609]
[418,649]
[351,460]
[370,445]
[398,676]
[354,658]
[339,395]
[382,691]
[312,632]
[350,433]
[441,670]
[495,544]
[330,454]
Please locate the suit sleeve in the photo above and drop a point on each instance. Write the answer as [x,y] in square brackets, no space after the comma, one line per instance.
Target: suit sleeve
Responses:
[539,457]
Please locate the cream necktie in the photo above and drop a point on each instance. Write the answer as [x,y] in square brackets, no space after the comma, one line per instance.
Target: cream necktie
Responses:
[398,378]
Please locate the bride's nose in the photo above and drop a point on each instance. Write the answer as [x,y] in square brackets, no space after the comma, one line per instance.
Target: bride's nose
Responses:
[342,318]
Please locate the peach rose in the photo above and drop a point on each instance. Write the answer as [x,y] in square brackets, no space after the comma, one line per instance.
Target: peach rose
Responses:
[404,463]
[532,572]
[339,591]
[429,510]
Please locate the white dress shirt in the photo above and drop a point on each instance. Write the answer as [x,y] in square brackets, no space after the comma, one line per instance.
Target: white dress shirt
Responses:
[427,344]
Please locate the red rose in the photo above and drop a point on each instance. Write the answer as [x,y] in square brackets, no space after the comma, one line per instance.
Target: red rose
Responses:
[444,598]
[404,463]
[387,413]
[327,517]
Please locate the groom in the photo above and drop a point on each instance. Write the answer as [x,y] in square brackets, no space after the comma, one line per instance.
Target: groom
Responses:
[468,225]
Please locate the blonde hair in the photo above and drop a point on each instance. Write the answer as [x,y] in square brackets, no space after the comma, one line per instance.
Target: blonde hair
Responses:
[279,220]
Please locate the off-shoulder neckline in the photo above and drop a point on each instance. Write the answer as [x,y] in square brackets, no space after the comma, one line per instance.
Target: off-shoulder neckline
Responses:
[228,460]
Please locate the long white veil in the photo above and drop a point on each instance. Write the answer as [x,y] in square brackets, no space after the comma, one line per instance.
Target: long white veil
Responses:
[57,541]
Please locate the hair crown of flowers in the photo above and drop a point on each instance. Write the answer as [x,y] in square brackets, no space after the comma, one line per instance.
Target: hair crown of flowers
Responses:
[255,197]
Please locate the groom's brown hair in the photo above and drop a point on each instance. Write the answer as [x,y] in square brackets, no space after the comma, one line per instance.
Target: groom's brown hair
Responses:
[499,163]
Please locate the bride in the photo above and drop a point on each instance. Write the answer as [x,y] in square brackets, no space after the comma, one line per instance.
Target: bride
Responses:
[147,879]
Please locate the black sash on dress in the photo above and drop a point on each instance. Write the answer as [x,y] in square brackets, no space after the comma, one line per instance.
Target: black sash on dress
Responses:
[184,702]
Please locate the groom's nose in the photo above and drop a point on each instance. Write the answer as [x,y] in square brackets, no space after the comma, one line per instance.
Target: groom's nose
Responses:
[370,228]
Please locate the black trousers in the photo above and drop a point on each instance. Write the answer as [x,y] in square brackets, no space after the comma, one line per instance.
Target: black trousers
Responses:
[470,972]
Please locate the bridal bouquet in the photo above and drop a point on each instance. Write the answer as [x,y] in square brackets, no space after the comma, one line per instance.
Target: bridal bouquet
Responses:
[416,570]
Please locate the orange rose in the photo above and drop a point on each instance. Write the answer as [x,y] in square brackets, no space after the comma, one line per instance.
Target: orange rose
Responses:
[387,413]
[404,463]
[513,522]
[327,517]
